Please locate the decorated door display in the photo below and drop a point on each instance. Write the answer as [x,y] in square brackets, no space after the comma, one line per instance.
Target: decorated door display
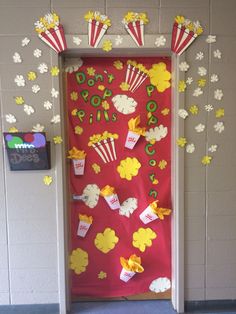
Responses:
[120,177]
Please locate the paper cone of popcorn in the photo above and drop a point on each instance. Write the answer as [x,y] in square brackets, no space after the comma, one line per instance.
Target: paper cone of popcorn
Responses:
[130,267]
[78,159]
[51,32]
[135,76]
[183,34]
[110,196]
[153,212]
[84,225]
[104,145]
[97,27]
[134,132]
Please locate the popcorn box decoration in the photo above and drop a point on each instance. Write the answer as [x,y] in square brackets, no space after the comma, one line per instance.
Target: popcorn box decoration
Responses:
[134,132]
[183,34]
[51,32]
[131,139]
[78,158]
[84,225]
[136,74]
[130,267]
[153,212]
[126,275]
[110,196]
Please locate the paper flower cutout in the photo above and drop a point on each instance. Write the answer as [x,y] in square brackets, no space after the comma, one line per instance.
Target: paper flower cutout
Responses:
[118,65]
[25,41]
[78,130]
[213,148]
[197,92]
[79,261]
[206,160]
[35,89]
[101,87]
[143,238]
[128,168]
[47,105]
[37,53]
[96,168]
[76,40]
[156,134]
[165,111]
[184,66]
[190,148]
[218,94]
[124,104]
[189,80]
[181,86]
[91,195]
[211,39]
[43,68]
[201,82]
[181,141]
[214,78]
[102,275]
[217,54]
[28,109]
[208,108]
[91,71]
[73,64]
[199,55]
[105,105]
[160,41]
[162,164]
[74,96]
[202,71]
[56,119]
[160,76]
[19,100]
[194,110]
[38,128]
[124,86]
[47,180]
[220,113]
[219,127]
[10,118]
[161,284]
[57,139]
[128,207]
[182,113]
[107,45]
[31,76]
[17,58]
[54,93]
[13,130]
[19,80]
[54,71]
[200,127]
[118,40]
[106,241]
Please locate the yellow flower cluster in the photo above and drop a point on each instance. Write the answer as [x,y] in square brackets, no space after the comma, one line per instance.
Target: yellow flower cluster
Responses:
[192,26]
[48,21]
[95,138]
[106,241]
[160,76]
[97,16]
[138,66]
[79,261]
[134,16]
[128,168]
[142,238]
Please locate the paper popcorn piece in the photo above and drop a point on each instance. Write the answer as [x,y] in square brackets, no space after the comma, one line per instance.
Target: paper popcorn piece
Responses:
[106,241]
[128,168]
[54,93]
[160,76]
[118,40]
[199,56]
[10,118]
[19,80]
[97,26]
[220,113]
[28,109]
[47,180]
[202,71]
[57,139]
[47,105]
[124,104]
[107,45]
[214,78]
[110,196]
[213,148]
[197,92]
[182,113]
[161,284]
[189,80]
[218,94]
[160,41]
[206,160]
[25,41]
[128,206]
[134,24]
[43,68]
[184,33]
[84,225]
[211,39]
[142,238]
[38,128]
[102,275]
[76,40]
[54,71]
[79,261]
[153,212]
[219,127]
[37,53]
[190,148]
[17,58]
[184,66]
[136,74]
[56,119]
[134,132]
[35,89]
[130,267]
[217,54]
[200,127]
[156,134]
[208,107]
[78,159]
[182,86]
[31,76]
[91,195]
[181,141]
[51,32]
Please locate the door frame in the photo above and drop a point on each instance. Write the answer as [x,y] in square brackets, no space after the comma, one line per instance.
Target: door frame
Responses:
[177,165]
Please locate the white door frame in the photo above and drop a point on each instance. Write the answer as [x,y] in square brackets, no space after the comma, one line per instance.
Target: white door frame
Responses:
[177,226]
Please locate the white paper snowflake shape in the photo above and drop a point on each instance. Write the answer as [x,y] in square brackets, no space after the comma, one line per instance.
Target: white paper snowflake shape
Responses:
[43,68]
[199,55]
[211,39]
[219,127]
[38,128]
[25,41]
[128,207]
[17,58]
[213,148]
[184,66]
[189,80]
[214,78]
[37,53]
[200,127]
[218,94]
[190,148]
[160,41]
[76,40]
[183,113]
[217,54]
[35,89]
[197,92]
[28,109]
[19,80]
[118,40]
[47,105]
[54,93]
[10,118]
[202,71]
[56,119]
[209,108]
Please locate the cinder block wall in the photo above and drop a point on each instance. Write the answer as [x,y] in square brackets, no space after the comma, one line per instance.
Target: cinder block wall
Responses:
[28,226]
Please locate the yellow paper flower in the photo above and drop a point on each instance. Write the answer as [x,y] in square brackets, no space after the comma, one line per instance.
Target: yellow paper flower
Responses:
[134,16]
[220,112]
[54,71]
[102,275]
[129,17]
[181,142]
[47,180]
[162,164]
[105,105]
[160,76]
[179,19]
[91,71]
[74,112]
[132,264]
[74,96]
[31,76]
[89,16]
[13,130]
[118,65]
[193,109]
[19,100]
[201,82]
[206,160]
[101,87]
[79,261]
[107,45]
[57,140]
[128,168]
[124,86]
[165,111]
[182,86]
[96,168]
[78,130]
[143,238]
[106,241]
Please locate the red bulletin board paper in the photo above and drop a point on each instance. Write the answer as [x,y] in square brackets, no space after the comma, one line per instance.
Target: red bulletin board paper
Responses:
[156,259]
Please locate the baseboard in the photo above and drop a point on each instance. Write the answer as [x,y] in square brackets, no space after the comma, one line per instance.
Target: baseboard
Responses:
[210,305]
[30,309]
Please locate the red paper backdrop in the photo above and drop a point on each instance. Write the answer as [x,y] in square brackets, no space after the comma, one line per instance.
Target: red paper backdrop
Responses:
[156,259]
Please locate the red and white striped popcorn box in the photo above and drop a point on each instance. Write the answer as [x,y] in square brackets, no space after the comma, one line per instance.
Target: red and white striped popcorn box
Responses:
[78,165]
[83,228]
[148,215]
[182,38]
[126,275]
[96,30]
[54,38]
[113,201]
[106,150]
[134,77]
[131,139]
[136,31]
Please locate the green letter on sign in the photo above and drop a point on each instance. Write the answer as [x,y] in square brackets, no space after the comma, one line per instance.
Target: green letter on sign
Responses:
[148,151]
[84,93]
[95,100]
[80,77]
[150,89]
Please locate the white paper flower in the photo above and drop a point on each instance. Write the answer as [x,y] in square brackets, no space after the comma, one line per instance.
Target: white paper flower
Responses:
[118,40]
[25,42]
[200,127]
[184,66]
[189,80]
[183,113]
[190,148]
[38,24]
[217,54]
[91,195]
[10,118]
[211,39]
[202,71]
[156,134]
[160,41]
[214,78]
[43,68]
[37,53]
[73,64]
[197,92]
[35,89]
[161,284]
[17,58]
[54,93]
[38,128]
[219,127]
[47,105]
[76,40]
[124,104]
[199,55]
[128,207]
[209,108]
[218,94]
[28,109]
[213,148]
[19,80]
[56,119]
